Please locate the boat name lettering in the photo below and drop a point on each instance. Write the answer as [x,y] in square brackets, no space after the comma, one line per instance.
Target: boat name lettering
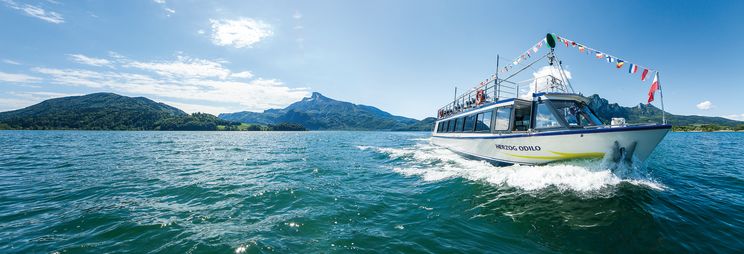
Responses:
[518,148]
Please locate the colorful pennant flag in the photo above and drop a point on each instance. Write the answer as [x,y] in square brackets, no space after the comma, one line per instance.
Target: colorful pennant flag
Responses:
[581,48]
[644,74]
[609,59]
[633,68]
[620,63]
[654,87]
[599,55]
[566,42]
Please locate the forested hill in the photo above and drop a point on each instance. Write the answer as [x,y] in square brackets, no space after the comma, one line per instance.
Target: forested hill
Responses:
[106,111]
[643,113]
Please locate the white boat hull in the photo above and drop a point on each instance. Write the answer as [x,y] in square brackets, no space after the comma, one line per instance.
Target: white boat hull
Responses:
[545,147]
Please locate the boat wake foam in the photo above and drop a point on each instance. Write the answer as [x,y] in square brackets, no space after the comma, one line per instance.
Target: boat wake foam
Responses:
[433,163]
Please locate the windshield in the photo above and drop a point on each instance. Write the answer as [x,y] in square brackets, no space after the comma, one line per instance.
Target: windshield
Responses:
[576,114]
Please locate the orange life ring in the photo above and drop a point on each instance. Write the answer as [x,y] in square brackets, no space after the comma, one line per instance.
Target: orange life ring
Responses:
[480,96]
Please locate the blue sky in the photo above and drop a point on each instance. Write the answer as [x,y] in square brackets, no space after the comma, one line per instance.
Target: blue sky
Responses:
[404,57]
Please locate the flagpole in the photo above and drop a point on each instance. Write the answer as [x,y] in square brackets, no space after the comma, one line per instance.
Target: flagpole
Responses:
[661,92]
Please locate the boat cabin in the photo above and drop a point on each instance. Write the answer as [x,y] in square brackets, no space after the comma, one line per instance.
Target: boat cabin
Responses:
[546,112]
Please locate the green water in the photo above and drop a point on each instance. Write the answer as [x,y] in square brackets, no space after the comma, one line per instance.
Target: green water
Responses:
[251,192]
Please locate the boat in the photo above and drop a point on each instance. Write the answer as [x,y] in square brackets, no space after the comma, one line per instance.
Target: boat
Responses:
[496,122]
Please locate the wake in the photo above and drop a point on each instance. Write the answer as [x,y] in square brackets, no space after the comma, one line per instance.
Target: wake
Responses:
[433,163]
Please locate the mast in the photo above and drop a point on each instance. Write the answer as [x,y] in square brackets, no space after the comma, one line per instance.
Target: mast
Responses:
[454,102]
[495,82]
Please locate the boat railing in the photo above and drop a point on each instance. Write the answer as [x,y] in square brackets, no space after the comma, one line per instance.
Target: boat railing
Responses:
[493,90]
[490,90]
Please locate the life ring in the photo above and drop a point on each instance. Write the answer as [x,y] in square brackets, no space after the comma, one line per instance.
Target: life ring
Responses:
[480,96]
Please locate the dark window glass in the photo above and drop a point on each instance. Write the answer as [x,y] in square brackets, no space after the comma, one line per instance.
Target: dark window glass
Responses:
[483,124]
[469,123]
[439,127]
[522,116]
[449,126]
[458,125]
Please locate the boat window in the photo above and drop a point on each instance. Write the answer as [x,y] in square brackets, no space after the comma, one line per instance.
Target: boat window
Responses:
[484,122]
[469,123]
[575,113]
[439,127]
[457,125]
[544,117]
[590,117]
[503,115]
[449,126]
[522,117]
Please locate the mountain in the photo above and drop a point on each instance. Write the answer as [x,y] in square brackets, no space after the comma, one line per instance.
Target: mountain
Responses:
[643,113]
[318,112]
[107,111]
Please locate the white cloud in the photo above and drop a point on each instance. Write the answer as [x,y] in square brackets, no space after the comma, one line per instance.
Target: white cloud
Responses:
[7,104]
[82,59]
[706,105]
[8,61]
[542,79]
[193,108]
[739,117]
[17,78]
[25,99]
[168,11]
[239,33]
[198,83]
[200,31]
[242,74]
[36,12]
[184,67]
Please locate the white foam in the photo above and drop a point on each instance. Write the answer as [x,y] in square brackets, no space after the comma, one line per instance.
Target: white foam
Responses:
[434,163]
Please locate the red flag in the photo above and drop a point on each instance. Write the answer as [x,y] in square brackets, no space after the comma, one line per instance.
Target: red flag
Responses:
[644,74]
[654,87]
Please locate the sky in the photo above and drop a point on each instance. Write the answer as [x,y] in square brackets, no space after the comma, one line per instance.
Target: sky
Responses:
[404,57]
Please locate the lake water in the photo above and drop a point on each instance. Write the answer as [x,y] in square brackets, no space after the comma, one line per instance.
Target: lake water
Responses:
[272,192]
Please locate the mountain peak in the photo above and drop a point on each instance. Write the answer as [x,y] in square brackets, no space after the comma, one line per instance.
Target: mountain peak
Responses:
[318,112]
[316,96]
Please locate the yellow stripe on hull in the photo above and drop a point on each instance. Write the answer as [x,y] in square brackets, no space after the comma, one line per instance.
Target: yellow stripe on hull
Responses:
[561,156]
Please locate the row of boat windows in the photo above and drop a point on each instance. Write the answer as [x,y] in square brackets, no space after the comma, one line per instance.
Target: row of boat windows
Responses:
[481,122]
[547,115]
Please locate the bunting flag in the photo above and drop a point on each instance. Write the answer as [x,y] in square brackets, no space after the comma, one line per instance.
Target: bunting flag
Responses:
[654,87]
[644,74]
[633,68]
[619,64]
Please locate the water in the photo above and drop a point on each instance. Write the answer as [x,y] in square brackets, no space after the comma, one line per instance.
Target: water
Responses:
[269,192]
